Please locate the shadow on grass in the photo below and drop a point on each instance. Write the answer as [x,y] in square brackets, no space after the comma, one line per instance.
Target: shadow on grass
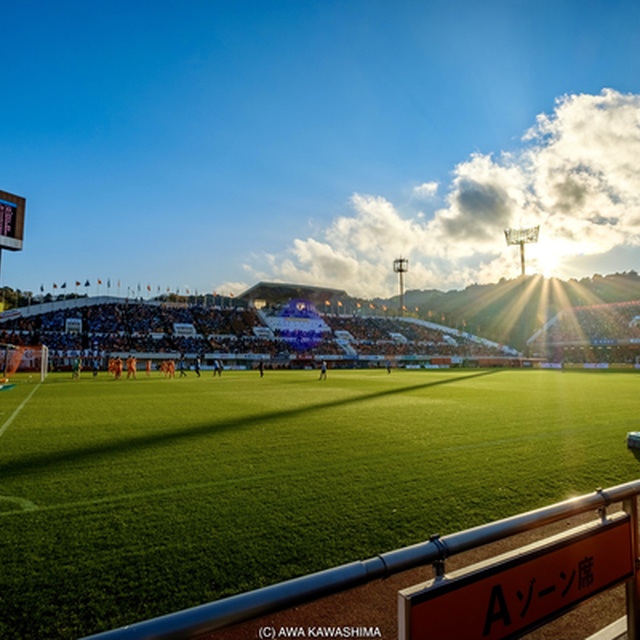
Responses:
[43,461]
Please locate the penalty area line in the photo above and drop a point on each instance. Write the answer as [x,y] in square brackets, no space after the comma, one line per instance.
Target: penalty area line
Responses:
[12,417]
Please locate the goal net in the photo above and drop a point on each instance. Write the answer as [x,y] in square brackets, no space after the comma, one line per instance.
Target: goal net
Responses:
[28,359]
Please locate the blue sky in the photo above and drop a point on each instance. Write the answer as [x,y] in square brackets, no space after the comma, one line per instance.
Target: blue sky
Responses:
[211,144]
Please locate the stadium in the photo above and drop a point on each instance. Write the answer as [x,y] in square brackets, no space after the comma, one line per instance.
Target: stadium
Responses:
[319,320]
[128,497]
[292,327]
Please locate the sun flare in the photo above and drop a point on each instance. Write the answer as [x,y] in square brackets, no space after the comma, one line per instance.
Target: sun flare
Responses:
[545,259]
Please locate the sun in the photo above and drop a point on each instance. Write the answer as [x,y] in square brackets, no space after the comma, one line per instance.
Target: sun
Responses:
[545,258]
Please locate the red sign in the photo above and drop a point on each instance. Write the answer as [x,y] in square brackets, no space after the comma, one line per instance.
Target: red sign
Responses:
[522,590]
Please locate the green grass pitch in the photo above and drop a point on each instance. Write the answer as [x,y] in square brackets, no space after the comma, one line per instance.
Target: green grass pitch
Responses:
[124,500]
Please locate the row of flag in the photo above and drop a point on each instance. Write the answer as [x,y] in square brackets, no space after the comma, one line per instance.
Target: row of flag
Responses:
[78,284]
[140,288]
[384,307]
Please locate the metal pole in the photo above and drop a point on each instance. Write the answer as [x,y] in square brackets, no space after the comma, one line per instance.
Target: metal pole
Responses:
[630,506]
[1,285]
[207,618]
[6,361]
[522,256]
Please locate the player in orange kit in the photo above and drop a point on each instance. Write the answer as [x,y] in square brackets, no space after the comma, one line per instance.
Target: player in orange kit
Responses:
[132,367]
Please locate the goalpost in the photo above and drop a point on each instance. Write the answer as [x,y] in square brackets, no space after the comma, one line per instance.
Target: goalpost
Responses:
[29,359]
[44,361]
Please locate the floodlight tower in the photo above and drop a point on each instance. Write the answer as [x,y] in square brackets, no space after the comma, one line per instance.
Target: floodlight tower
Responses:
[401,266]
[522,237]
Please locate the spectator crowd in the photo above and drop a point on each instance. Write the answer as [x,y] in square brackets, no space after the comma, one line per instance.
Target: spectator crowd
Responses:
[597,333]
[170,329]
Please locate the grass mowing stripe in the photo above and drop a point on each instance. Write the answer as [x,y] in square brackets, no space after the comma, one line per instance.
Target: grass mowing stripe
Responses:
[11,418]
[26,506]
[155,496]
[141,442]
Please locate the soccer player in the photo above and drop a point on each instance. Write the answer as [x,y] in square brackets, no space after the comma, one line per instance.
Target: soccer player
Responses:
[323,370]
[132,367]
[76,367]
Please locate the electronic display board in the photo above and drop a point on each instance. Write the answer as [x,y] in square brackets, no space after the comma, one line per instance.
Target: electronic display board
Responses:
[11,221]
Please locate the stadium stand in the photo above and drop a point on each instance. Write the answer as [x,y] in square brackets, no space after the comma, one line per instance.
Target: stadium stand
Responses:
[603,333]
[284,333]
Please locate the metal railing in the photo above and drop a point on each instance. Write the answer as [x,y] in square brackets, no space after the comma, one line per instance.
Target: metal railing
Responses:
[204,619]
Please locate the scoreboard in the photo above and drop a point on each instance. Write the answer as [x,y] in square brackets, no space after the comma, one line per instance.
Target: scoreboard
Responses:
[11,221]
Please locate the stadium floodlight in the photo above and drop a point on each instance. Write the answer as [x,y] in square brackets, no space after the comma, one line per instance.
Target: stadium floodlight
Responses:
[522,237]
[401,266]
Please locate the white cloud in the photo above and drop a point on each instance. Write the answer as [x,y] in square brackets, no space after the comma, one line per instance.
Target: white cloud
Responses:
[357,251]
[426,191]
[584,171]
[485,198]
[230,288]
[576,175]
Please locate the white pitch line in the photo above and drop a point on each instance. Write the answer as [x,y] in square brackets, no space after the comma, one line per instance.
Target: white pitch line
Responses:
[11,418]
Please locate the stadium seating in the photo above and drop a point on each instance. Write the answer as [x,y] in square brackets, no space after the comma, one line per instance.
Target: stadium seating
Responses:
[604,333]
[99,329]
